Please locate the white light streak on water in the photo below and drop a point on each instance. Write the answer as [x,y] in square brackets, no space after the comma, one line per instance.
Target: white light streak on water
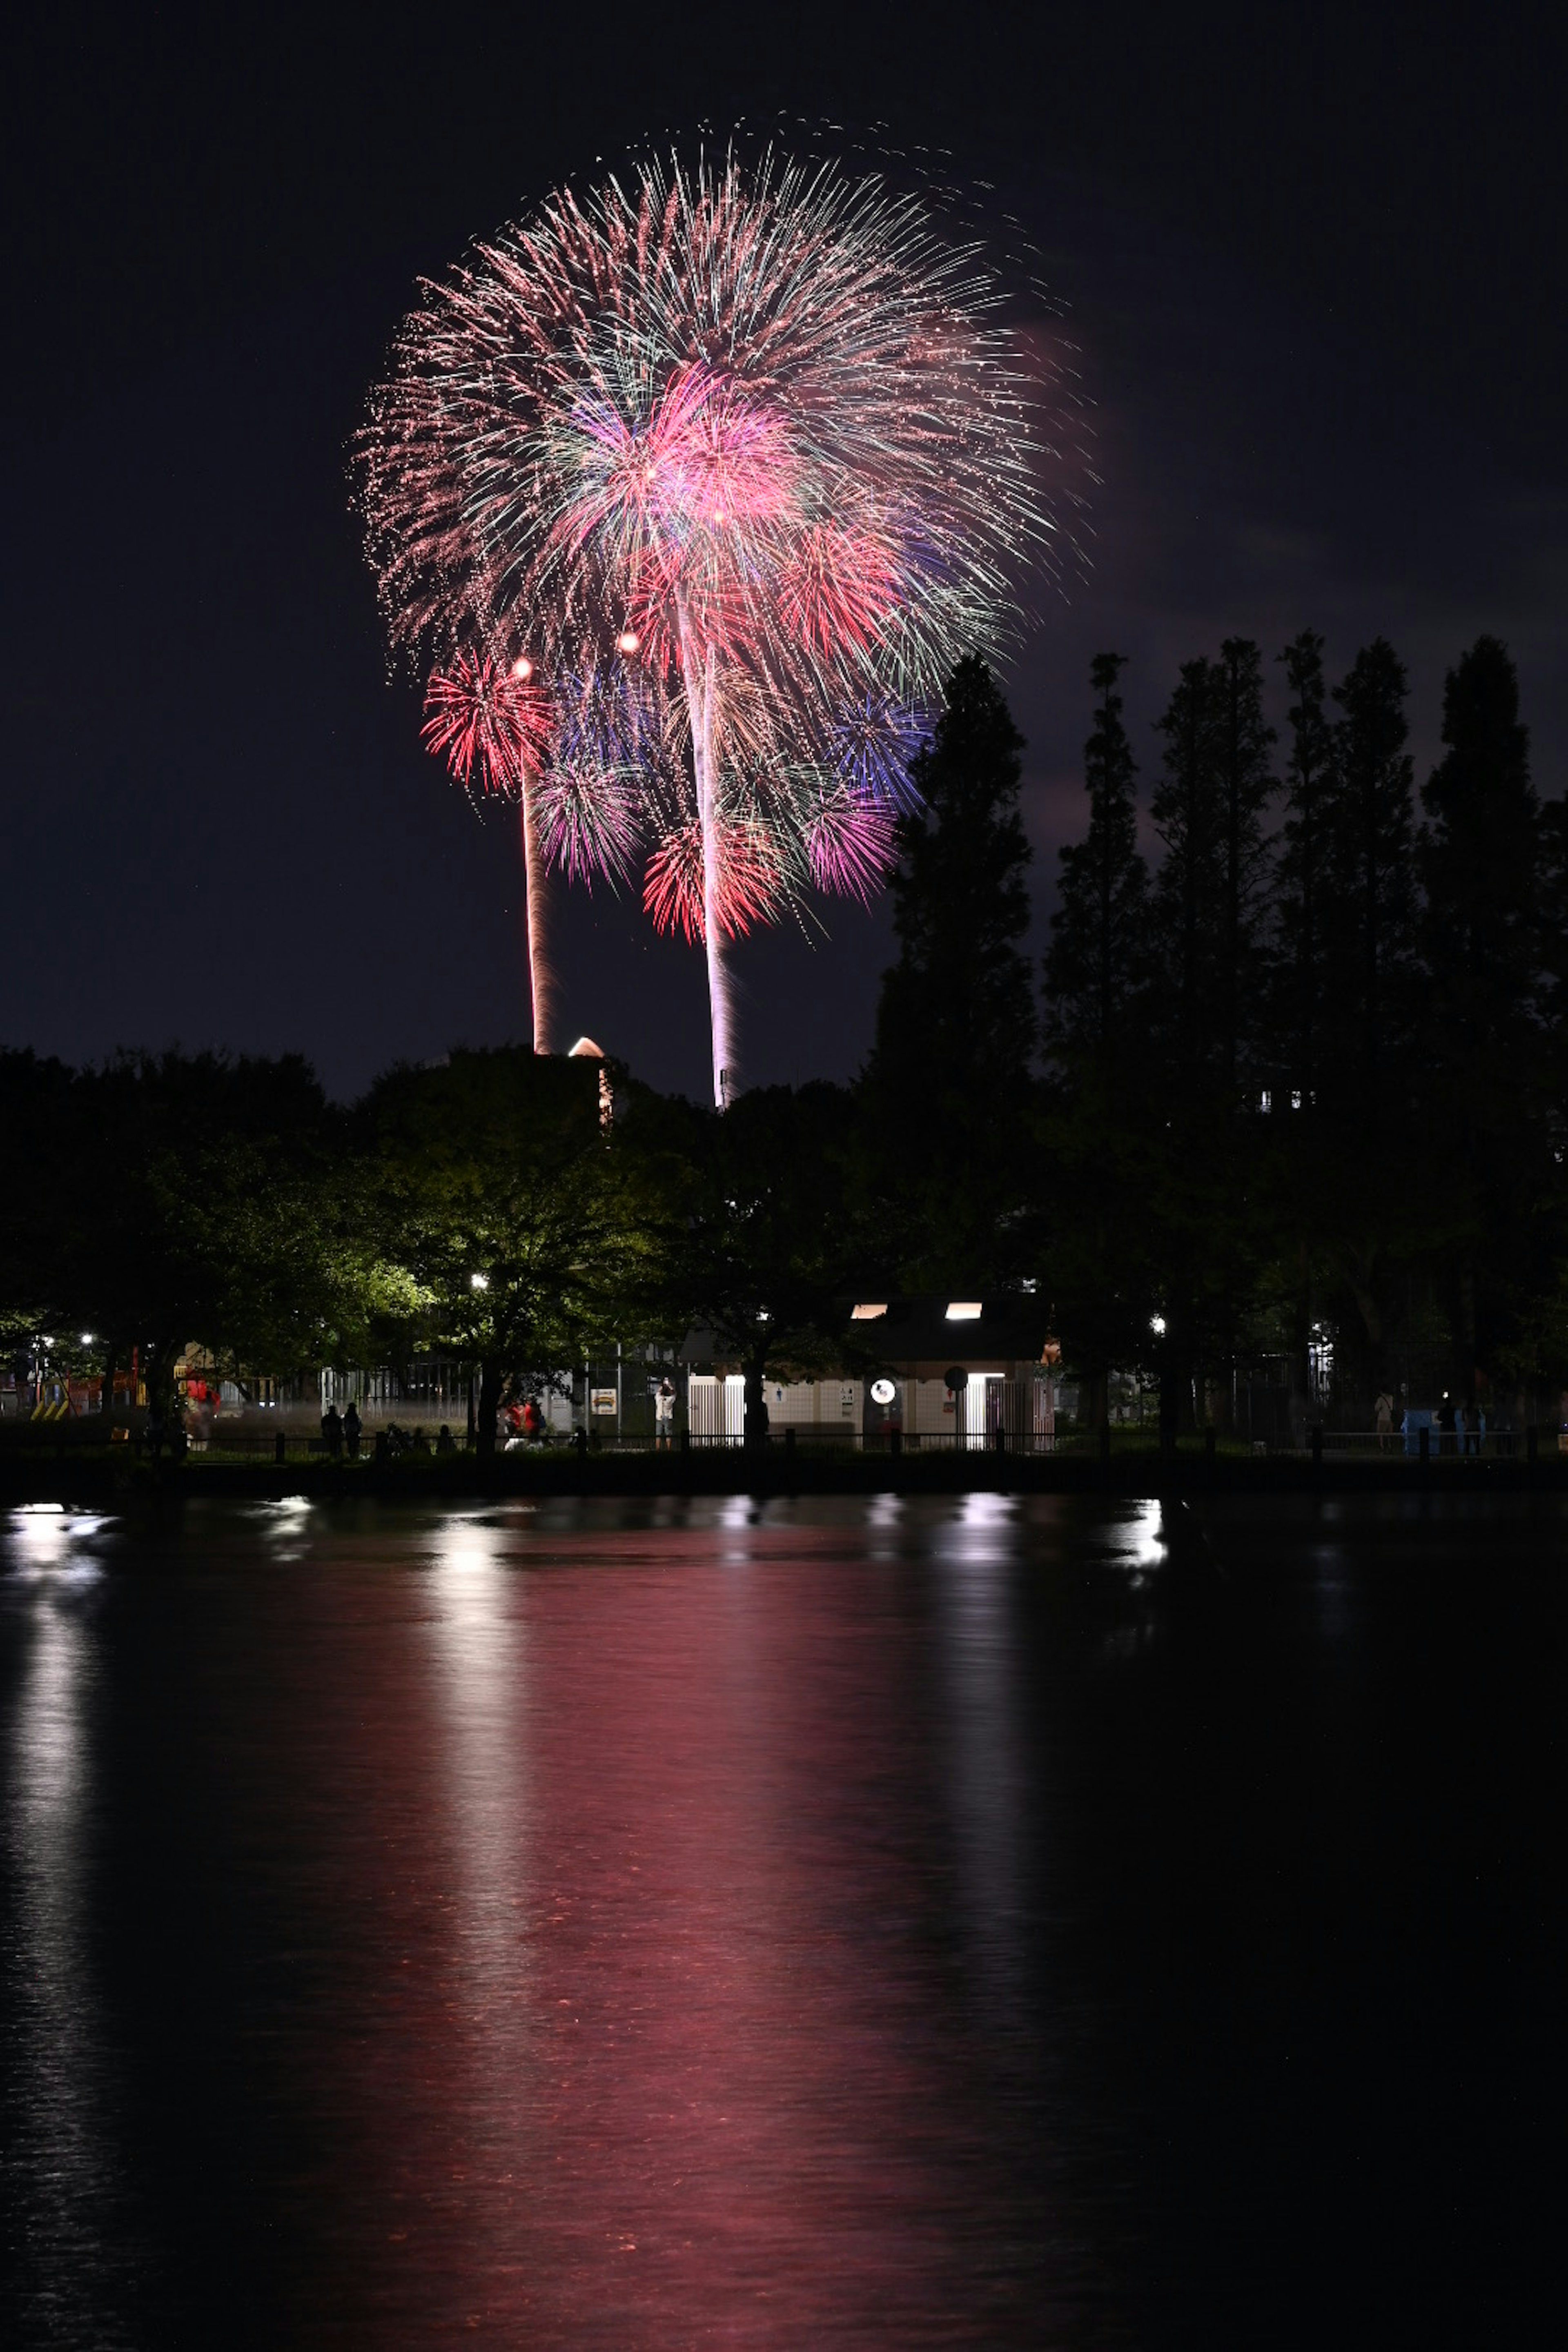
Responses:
[59,2152]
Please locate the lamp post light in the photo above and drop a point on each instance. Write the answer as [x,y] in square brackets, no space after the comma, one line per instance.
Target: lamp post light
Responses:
[1167,1389]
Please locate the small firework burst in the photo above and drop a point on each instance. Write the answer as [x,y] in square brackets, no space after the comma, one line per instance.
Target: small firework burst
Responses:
[590,797]
[836,590]
[850,843]
[748,878]
[491,724]
[871,745]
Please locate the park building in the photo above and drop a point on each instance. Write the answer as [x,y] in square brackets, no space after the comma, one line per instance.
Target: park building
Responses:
[898,1375]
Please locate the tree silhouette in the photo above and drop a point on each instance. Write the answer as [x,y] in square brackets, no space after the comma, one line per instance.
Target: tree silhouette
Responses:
[949,1085]
[1096,957]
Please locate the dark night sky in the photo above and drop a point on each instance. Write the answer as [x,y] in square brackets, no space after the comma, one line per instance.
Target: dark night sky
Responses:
[1314,263]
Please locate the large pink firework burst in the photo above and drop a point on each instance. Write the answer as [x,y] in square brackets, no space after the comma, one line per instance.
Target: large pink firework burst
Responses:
[761,430]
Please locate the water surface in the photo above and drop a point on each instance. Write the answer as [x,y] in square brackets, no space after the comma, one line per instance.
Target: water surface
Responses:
[864,1923]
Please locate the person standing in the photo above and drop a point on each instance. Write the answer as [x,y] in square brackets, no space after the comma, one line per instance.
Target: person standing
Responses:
[332,1432]
[664,1415]
[1383,1419]
[351,1431]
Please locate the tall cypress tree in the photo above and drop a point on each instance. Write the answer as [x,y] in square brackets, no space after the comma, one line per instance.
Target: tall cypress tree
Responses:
[1204,1009]
[948,1087]
[1478,861]
[1242,741]
[1209,898]
[1375,898]
[1096,932]
[1096,1149]
[1304,880]
[1483,1040]
[1186,893]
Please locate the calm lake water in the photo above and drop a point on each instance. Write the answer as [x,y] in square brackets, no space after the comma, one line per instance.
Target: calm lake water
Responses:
[984,1922]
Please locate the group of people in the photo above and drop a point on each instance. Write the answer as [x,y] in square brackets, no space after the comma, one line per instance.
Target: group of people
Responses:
[1461,1430]
[519,1422]
[522,1425]
[342,1432]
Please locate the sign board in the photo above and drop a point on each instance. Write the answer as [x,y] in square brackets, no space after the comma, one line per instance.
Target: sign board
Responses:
[957,1378]
[604,1400]
[883,1391]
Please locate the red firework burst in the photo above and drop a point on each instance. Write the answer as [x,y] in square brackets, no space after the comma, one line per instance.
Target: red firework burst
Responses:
[836,589]
[748,883]
[490,723]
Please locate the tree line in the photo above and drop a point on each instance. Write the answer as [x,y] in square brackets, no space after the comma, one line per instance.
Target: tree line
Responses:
[1293,1083]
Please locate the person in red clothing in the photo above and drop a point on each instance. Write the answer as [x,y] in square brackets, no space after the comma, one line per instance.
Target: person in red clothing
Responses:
[533,1423]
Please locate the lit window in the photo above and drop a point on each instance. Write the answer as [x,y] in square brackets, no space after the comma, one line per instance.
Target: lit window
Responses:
[869,1314]
[964,1310]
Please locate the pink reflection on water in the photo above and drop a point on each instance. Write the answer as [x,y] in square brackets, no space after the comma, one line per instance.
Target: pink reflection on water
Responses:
[660,2042]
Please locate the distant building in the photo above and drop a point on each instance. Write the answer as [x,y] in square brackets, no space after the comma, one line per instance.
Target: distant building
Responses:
[898,1354]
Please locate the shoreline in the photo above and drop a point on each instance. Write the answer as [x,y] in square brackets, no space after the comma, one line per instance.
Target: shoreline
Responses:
[726,1471]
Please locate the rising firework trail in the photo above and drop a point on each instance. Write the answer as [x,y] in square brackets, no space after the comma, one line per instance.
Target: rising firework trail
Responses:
[748,457]
[494,722]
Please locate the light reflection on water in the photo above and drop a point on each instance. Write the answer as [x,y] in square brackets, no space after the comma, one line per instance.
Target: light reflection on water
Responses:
[58,2154]
[889,1923]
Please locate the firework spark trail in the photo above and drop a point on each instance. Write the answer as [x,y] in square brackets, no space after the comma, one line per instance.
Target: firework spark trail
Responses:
[541,970]
[495,725]
[760,431]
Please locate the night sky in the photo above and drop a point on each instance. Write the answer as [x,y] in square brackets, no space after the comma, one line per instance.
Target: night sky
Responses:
[1313,266]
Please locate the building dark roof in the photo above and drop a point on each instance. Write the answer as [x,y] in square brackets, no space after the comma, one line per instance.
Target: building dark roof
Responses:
[1012,1328]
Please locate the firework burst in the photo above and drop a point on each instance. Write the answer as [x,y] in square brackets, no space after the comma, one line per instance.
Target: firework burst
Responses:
[760,430]
[492,725]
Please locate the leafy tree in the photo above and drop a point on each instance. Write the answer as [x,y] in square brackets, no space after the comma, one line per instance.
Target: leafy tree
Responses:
[949,1085]
[508,1226]
[216,1228]
[769,1240]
